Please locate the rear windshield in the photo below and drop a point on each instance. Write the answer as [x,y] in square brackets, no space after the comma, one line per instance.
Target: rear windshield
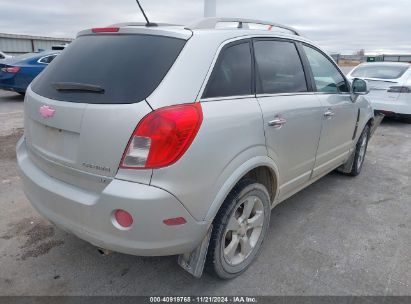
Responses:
[125,68]
[379,71]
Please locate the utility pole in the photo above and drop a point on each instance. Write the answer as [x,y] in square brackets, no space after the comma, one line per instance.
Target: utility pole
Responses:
[210,8]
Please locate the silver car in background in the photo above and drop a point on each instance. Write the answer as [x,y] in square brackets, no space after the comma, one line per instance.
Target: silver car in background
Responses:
[389,85]
[171,140]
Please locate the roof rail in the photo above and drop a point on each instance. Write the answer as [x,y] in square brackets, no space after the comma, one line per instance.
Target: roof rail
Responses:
[211,23]
[142,24]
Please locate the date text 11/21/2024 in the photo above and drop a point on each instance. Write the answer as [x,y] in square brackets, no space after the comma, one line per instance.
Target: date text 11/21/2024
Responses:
[204,299]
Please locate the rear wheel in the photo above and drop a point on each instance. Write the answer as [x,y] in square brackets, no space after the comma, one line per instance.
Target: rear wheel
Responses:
[360,151]
[239,229]
[406,118]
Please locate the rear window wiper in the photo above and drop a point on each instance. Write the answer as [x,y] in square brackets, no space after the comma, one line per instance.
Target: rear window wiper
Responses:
[79,87]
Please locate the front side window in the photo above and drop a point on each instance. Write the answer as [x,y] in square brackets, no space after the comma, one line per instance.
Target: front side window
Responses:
[232,73]
[327,77]
[279,68]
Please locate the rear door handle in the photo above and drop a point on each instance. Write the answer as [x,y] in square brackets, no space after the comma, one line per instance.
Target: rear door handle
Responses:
[277,122]
[329,114]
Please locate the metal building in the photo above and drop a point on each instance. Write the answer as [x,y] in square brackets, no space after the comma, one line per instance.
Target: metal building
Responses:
[20,44]
[390,58]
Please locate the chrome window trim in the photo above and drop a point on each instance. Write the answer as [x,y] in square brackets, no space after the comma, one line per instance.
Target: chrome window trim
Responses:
[265,95]
[300,94]
[326,93]
[270,95]
[227,98]
[39,61]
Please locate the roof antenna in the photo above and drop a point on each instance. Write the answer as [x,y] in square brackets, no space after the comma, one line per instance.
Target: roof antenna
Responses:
[145,16]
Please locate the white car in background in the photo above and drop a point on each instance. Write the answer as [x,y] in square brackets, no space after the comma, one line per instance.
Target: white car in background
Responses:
[390,87]
[4,56]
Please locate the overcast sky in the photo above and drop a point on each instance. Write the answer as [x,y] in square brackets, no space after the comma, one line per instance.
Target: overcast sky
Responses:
[337,25]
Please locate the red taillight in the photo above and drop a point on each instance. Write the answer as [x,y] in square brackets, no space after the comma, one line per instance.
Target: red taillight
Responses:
[162,137]
[123,218]
[400,89]
[105,30]
[11,70]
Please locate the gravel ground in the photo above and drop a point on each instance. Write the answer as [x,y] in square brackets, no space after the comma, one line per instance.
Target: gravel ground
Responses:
[340,236]
[11,114]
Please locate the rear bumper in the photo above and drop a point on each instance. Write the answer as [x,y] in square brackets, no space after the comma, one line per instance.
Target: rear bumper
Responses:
[9,83]
[89,215]
[12,88]
[396,106]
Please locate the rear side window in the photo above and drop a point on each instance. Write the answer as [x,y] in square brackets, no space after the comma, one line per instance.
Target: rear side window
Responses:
[279,68]
[232,73]
[47,59]
[327,77]
[127,68]
[379,71]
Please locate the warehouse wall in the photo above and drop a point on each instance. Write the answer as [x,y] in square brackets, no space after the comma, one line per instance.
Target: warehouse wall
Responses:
[20,44]
[14,46]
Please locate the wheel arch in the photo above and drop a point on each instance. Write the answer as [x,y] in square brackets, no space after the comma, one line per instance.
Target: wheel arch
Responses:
[370,122]
[262,169]
[366,117]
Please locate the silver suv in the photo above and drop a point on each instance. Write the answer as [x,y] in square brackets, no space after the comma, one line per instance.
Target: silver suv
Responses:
[170,140]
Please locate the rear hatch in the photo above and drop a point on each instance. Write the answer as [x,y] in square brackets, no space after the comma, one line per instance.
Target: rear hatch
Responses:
[81,112]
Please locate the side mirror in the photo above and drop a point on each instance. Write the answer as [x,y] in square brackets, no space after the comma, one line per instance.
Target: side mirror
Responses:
[360,87]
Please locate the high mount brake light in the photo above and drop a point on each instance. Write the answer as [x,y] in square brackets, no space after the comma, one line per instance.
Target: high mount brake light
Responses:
[105,30]
[11,70]
[162,137]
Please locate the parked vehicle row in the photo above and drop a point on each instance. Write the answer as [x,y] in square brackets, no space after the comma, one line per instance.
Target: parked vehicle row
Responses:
[170,140]
[18,72]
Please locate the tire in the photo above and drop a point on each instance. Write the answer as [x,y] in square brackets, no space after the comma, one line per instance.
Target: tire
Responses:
[360,152]
[233,249]
[406,118]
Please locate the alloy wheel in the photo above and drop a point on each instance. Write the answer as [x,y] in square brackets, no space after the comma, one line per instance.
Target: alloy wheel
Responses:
[243,230]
